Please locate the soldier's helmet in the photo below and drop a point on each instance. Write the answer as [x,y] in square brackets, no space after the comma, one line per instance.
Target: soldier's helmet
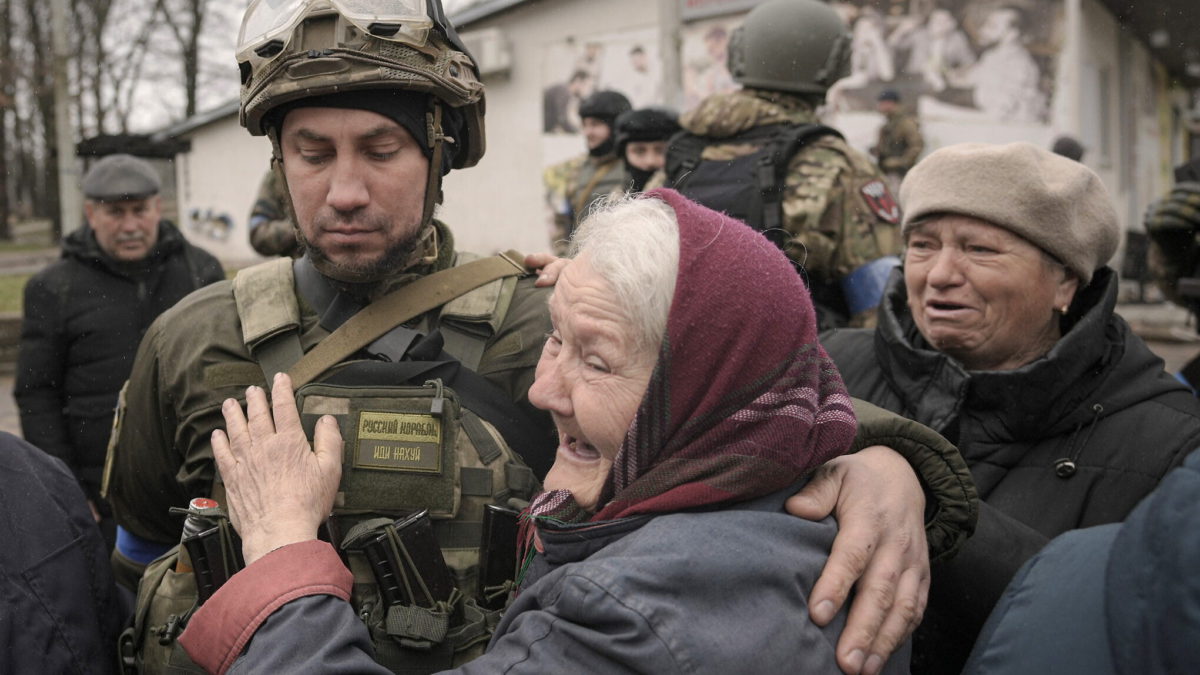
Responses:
[294,49]
[605,106]
[797,46]
[645,124]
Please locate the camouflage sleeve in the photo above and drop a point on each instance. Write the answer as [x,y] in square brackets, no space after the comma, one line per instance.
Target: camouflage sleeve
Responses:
[813,205]
[271,231]
[838,213]
[273,237]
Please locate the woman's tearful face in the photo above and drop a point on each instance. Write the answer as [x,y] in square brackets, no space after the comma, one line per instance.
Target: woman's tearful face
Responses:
[591,378]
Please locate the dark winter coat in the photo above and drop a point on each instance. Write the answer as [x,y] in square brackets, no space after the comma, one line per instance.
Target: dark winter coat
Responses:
[1111,599]
[84,317]
[1076,438]
[59,609]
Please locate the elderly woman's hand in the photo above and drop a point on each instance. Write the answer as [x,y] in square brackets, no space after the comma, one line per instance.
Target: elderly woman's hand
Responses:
[548,266]
[880,508]
[279,491]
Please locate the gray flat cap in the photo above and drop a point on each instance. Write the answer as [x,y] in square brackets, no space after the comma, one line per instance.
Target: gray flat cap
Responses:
[119,177]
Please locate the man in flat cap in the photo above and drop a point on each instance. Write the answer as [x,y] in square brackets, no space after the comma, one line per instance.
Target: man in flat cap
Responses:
[86,313]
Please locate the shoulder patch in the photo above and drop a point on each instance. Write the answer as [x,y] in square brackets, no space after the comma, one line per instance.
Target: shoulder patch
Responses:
[879,199]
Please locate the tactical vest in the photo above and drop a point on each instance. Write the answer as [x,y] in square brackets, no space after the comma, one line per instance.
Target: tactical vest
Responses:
[428,464]
[748,187]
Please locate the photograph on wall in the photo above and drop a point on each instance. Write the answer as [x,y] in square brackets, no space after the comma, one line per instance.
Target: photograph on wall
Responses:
[577,67]
[704,50]
[979,59]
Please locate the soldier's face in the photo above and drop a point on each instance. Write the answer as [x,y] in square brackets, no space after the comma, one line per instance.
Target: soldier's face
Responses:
[357,181]
[126,230]
[982,294]
[646,155]
[595,132]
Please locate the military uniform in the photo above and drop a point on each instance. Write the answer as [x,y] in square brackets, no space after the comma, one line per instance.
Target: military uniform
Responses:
[835,217]
[271,231]
[185,369]
[900,144]
[572,186]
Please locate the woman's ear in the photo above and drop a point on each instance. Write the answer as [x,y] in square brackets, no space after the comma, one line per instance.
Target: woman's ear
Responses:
[1065,293]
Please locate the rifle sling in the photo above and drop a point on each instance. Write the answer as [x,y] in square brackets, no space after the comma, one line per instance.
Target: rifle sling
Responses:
[400,306]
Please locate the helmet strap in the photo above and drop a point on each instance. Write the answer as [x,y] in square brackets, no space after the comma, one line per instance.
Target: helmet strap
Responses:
[433,182]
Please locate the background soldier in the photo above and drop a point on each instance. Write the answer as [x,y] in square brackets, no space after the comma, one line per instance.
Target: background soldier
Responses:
[1173,225]
[271,230]
[823,203]
[900,142]
[86,313]
[573,185]
[642,137]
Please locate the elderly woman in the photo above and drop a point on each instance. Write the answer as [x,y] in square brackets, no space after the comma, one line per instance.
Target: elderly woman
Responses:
[999,333]
[661,543]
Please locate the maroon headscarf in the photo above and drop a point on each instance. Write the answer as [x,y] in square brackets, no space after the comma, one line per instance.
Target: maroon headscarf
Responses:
[743,400]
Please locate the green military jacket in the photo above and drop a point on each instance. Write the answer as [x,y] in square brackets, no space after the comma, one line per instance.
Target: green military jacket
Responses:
[900,143]
[835,217]
[573,186]
[193,358]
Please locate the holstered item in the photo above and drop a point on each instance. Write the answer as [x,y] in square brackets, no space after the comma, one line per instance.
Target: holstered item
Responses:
[497,556]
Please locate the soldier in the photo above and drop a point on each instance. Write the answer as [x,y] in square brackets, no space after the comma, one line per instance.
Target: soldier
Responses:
[900,142]
[85,314]
[364,120]
[572,186]
[1173,225]
[424,359]
[642,137]
[759,154]
[271,230]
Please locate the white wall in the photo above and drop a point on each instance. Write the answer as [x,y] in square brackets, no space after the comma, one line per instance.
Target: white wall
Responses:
[497,205]
[220,177]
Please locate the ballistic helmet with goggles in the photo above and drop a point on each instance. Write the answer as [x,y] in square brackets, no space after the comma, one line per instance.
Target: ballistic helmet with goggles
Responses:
[797,46]
[290,50]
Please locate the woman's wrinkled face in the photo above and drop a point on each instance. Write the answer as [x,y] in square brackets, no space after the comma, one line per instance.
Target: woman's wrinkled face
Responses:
[982,294]
[591,378]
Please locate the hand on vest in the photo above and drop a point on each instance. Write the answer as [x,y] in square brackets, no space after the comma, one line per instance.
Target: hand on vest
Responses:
[279,490]
[880,508]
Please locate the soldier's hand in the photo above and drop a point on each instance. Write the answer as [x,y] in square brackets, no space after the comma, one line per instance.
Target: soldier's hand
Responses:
[548,267]
[279,490]
[880,546]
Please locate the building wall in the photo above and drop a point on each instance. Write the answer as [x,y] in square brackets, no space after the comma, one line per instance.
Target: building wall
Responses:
[216,185]
[498,204]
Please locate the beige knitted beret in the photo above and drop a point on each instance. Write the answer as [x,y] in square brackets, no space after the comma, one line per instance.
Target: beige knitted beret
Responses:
[1056,203]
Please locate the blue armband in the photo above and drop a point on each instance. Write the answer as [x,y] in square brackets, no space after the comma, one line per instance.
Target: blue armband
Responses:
[863,288]
[141,551]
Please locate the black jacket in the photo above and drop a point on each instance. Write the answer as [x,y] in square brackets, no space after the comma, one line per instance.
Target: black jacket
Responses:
[59,608]
[85,315]
[1099,398]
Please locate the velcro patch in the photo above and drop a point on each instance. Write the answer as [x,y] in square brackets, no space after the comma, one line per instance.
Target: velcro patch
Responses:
[400,442]
[880,201]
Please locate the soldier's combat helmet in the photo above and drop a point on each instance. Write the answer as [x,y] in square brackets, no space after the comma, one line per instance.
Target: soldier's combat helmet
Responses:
[605,106]
[352,54]
[797,46]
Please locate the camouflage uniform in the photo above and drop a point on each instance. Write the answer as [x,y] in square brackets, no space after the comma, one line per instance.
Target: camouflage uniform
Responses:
[271,231]
[834,220]
[162,455]
[571,188]
[899,146]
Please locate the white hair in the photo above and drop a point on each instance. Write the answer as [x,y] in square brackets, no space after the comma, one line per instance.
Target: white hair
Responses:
[633,243]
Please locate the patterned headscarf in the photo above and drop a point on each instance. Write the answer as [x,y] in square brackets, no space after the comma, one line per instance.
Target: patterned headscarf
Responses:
[743,400]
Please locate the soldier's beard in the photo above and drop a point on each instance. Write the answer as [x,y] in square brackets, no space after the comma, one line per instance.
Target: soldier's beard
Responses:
[400,254]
